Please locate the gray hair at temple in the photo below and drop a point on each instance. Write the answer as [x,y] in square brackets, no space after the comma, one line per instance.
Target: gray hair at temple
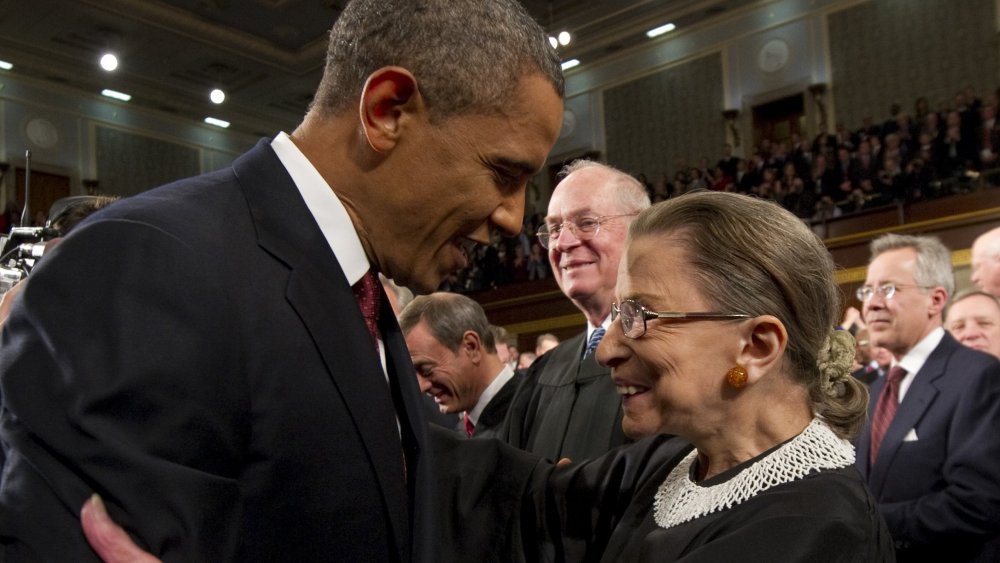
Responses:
[752,256]
[448,316]
[933,267]
[629,192]
[467,55]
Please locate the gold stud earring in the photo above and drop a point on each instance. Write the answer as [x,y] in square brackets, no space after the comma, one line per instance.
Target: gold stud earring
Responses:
[737,377]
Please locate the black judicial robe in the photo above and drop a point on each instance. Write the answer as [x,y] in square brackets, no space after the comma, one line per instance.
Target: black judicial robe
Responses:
[602,511]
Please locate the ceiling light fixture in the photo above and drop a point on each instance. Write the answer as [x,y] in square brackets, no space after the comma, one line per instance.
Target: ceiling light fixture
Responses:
[657,31]
[5,65]
[217,96]
[564,38]
[554,42]
[116,95]
[109,62]
[570,64]
[217,122]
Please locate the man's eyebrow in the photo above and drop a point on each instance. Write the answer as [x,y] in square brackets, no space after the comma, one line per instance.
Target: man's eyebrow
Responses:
[516,165]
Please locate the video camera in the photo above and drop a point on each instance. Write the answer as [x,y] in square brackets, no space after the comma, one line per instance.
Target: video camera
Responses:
[21,249]
[24,246]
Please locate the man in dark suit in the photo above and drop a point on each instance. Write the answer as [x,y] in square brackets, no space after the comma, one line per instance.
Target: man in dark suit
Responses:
[454,353]
[568,406]
[930,451]
[197,354]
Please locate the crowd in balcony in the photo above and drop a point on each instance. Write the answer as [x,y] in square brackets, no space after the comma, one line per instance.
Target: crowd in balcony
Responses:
[907,157]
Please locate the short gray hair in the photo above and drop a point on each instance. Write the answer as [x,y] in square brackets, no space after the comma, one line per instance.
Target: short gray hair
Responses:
[448,316]
[933,266]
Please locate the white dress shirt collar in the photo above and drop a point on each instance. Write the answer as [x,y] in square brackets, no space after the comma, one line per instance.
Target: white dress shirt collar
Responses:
[915,359]
[491,391]
[325,207]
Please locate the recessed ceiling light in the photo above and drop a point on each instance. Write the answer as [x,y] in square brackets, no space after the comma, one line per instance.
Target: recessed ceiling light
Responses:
[657,31]
[570,64]
[564,38]
[116,95]
[217,122]
[554,42]
[5,65]
[217,96]
[109,62]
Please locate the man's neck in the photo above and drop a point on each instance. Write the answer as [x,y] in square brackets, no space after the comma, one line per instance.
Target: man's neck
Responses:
[594,310]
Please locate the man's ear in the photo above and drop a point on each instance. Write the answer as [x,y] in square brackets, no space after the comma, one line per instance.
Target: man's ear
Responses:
[472,345]
[939,298]
[763,346]
[390,95]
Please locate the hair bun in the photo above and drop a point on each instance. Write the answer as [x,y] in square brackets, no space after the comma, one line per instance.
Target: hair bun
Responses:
[834,360]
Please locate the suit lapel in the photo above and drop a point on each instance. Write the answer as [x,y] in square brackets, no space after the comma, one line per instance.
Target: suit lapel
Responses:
[865,439]
[320,294]
[917,400]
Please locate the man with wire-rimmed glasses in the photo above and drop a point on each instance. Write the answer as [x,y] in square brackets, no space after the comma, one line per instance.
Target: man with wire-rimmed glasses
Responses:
[567,407]
[930,451]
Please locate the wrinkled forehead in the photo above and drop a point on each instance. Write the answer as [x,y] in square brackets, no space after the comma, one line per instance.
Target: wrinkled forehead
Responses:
[584,192]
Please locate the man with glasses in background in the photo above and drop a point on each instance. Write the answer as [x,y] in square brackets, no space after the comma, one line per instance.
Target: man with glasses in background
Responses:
[930,451]
[567,406]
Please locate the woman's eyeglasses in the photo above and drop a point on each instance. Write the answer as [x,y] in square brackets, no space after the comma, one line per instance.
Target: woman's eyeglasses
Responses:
[634,316]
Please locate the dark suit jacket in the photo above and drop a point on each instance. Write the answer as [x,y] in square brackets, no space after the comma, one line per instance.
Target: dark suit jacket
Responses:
[490,423]
[867,375]
[566,407]
[940,493]
[196,356]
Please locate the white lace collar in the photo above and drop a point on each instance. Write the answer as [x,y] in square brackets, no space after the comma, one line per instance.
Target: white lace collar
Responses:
[680,500]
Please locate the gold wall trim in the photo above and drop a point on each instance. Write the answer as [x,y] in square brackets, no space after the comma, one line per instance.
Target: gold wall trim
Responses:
[545,325]
[524,299]
[854,237]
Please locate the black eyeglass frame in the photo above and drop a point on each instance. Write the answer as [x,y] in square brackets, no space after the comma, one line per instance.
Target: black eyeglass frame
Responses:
[648,315]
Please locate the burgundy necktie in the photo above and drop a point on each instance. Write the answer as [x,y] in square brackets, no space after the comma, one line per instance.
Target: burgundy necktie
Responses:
[469,427]
[885,409]
[366,291]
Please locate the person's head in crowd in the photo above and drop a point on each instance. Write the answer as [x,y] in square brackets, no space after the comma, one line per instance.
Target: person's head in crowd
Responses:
[501,337]
[545,342]
[973,318]
[513,353]
[396,104]
[584,231]
[399,296]
[986,261]
[867,354]
[525,359]
[726,307]
[907,286]
[862,349]
[452,348]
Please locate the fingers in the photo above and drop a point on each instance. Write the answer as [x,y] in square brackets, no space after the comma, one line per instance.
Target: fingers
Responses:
[108,539]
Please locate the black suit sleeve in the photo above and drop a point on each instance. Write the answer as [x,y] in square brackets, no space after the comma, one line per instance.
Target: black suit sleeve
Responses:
[116,354]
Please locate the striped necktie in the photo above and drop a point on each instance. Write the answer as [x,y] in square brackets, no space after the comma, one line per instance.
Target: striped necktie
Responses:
[885,409]
[595,339]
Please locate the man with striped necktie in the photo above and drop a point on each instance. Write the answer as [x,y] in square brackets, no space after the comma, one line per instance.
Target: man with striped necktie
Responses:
[567,406]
